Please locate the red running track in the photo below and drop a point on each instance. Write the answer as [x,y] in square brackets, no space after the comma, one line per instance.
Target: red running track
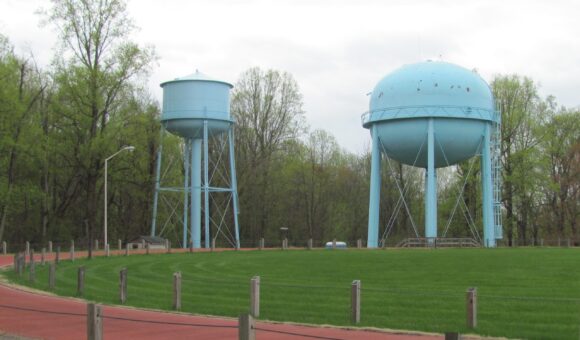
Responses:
[24,313]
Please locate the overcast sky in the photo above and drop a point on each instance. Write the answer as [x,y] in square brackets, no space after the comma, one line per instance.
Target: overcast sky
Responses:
[337,50]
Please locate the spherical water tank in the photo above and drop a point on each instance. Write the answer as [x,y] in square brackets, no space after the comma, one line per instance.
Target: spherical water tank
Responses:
[191,100]
[402,103]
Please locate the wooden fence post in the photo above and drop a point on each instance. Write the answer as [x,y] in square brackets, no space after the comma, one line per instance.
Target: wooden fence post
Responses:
[119,246]
[355,301]
[246,329]
[212,244]
[32,272]
[261,246]
[107,250]
[359,243]
[17,263]
[51,275]
[42,256]
[72,250]
[31,256]
[123,285]
[57,257]
[4,248]
[177,290]
[27,248]
[81,281]
[50,246]
[127,249]
[452,336]
[21,263]
[309,246]
[94,322]
[471,304]
[255,296]
[147,248]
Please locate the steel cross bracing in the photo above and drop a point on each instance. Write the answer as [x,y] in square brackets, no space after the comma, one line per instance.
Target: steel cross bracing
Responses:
[459,202]
[168,214]
[218,184]
[401,201]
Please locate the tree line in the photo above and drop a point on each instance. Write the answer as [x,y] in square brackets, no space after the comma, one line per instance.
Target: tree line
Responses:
[59,124]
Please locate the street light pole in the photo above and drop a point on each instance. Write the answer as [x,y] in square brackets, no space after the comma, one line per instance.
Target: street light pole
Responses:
[128,148]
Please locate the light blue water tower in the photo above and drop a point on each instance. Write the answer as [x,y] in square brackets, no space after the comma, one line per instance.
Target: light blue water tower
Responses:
[197,108]
[433,115]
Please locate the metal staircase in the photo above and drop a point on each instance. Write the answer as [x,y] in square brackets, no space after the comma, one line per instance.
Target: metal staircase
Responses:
[496,171]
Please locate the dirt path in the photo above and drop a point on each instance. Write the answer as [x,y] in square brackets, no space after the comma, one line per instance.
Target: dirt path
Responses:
[37,315]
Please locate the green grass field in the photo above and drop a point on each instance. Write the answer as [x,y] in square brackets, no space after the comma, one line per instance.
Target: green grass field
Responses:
[522,293]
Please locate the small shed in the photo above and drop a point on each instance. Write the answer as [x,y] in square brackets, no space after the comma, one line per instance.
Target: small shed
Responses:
[154,242]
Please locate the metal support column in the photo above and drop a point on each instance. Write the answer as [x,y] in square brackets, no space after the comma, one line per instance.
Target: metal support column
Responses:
[206,183]
[487,190]
[234,184]
[186,166]
[157,184]
[375,191]
[196,193]
[431,184]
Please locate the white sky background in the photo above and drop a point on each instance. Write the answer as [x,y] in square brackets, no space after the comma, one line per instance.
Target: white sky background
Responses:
[337,50]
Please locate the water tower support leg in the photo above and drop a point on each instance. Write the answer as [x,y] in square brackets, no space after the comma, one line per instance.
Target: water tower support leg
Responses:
[186,193]
[234,184]
[157,185]
[487,189]
[375,191]
[431,185]
[206,183]
[196,193]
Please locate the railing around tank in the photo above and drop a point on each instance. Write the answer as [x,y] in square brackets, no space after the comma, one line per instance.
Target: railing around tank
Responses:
[429,111]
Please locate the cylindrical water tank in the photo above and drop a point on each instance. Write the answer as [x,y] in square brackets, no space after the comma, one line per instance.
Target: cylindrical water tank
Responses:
[402,103]
[193,99]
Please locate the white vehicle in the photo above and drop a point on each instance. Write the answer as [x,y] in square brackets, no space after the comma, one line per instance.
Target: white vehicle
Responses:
[339,245]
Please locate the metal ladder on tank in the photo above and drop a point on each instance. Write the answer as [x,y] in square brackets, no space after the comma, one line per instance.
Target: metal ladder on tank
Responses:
[496,172]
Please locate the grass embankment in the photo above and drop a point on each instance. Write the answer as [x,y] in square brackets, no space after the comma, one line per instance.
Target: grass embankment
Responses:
[523,293]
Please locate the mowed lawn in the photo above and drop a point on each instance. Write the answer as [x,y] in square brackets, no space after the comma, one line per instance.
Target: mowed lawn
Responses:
[522,293]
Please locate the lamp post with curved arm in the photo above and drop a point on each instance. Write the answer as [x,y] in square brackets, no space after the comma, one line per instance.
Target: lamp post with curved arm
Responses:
[128,148]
